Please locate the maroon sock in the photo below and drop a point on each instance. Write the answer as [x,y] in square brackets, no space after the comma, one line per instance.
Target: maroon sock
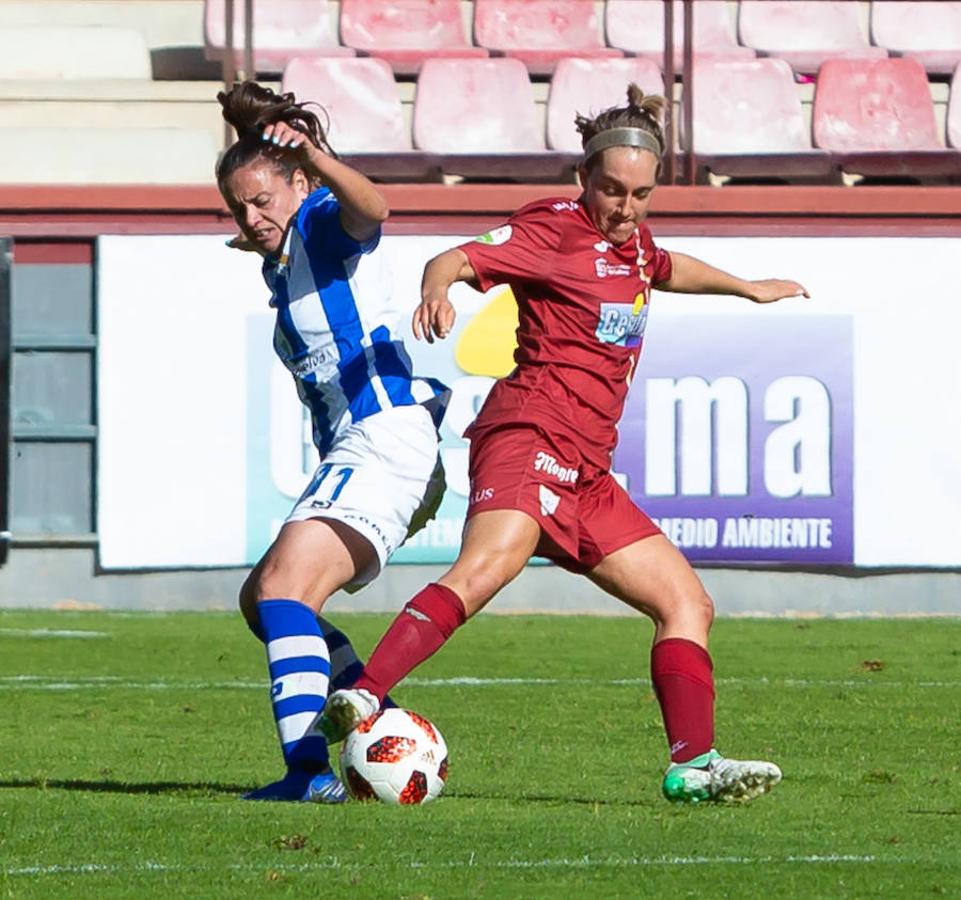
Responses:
[684,684]
[418,632]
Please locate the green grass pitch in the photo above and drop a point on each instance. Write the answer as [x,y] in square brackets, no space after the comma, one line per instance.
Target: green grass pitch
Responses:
[123,752]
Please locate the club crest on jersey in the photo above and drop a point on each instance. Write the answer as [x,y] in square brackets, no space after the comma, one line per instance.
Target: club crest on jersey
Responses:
[496,237]
[620,324]
[549,500]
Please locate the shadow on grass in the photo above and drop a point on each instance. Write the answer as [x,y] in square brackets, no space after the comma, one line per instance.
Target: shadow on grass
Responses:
[552,800]
[208,788]
[190,788]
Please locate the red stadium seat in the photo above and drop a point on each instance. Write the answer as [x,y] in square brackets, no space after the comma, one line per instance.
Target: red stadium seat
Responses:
[954,111]
[925,31]
[366,120]
[637,26]
[587,86]
[283,29]
[480,116]
[405,32]
[805,32]
[748,121]
[540,32]
[877,117]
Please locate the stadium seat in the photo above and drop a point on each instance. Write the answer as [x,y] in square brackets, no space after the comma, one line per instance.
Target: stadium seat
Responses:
[587,86]
[805,32]
[363,107]
[748,121]
[925,31]
[637,26]
[540,32]
[283,29]
[73,52]
[406,32]
[877,118]
[954,111]
[479,115]
[108,155]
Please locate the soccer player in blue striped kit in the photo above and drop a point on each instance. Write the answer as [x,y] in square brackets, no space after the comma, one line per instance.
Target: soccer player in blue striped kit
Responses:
[317,224]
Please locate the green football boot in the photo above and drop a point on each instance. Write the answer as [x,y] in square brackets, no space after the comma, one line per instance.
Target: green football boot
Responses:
[712,778]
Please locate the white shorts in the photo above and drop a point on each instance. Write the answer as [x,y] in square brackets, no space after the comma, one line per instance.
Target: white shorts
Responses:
[383,478]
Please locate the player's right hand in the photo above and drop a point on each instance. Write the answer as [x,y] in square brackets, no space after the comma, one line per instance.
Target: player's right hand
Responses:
[434,316]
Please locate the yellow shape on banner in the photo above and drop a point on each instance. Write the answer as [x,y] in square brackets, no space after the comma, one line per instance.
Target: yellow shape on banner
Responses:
[639,301]
[486,345]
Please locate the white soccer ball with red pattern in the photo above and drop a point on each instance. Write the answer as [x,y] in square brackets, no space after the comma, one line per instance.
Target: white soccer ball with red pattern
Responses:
[396,756]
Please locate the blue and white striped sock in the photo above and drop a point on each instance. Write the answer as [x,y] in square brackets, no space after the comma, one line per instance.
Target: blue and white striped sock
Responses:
[299,665]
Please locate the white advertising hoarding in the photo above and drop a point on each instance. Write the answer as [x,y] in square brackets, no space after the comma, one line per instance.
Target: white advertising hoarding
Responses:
[809,432]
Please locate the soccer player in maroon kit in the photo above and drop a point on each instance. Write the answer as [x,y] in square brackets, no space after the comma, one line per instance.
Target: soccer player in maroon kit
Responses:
[541,447]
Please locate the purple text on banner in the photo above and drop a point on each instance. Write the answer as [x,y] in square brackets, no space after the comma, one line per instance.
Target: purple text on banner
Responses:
[737,437]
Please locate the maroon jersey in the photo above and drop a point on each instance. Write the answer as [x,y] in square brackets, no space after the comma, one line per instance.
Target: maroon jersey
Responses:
[582,306]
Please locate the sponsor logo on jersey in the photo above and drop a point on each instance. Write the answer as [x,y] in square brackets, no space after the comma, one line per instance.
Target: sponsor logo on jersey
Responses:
[563,205]
[602,268]
[549,500]
[619,324]
[547,464]
[496,237]
[323,357]
[482,494]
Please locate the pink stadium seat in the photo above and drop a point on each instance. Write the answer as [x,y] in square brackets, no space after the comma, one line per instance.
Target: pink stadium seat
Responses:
[748,121]
[925,31]
[587,86]
[283,29]
[405,32]
[878,118]
[637,26]
[954,111]
[479,115]
[805,32]
[540,32]
[366,120]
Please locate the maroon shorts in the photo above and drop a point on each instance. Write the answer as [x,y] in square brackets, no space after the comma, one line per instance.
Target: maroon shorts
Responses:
[584,514]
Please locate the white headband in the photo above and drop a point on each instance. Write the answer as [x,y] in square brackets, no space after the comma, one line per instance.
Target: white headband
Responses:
[622,137]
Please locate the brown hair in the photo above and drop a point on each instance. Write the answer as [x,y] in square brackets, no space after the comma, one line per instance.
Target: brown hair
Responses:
[643,111]
[250,108]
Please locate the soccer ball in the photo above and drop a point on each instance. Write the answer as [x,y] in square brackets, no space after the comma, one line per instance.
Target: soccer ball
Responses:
[395,756]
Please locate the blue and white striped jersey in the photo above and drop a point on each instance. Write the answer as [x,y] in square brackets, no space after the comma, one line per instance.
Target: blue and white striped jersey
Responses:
[336,324]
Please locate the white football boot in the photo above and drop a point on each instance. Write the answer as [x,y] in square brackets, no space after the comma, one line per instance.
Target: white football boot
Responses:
[711,777]
[345,710]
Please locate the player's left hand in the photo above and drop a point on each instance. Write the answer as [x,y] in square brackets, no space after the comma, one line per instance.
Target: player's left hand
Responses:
[434,316]
[770,289]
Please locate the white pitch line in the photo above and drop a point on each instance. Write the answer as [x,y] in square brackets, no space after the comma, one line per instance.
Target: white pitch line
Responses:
[50,633]
[583,862]
[84,682]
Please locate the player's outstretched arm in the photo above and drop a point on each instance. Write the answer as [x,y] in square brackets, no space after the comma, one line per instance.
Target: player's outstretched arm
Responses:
[692,276]
[363,208]
[435,315]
